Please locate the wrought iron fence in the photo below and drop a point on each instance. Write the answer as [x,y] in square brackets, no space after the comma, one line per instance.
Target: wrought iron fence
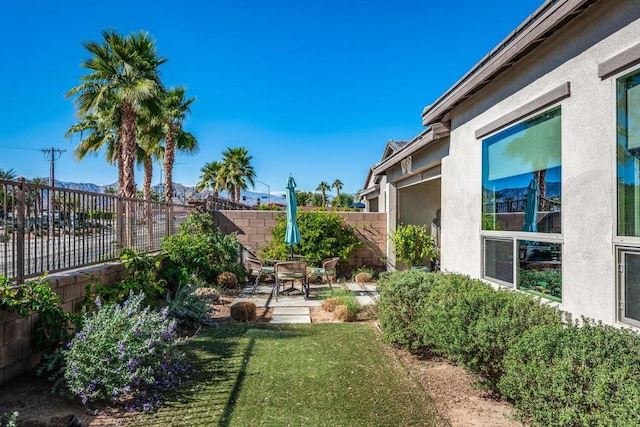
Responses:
[47,229]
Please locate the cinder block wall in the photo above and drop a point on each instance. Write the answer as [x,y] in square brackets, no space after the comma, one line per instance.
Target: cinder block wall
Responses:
[253,229]
[18,353]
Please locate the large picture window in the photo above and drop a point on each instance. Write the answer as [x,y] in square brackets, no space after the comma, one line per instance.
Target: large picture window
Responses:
[628,165]
[521,176]
[522,193]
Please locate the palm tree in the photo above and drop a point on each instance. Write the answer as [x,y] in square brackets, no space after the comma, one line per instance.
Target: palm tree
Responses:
[148,149]
[175,108]
[323,187]
[237,171]
[210,178]
[123,77]
[98,130]
[338,185]
[8,175]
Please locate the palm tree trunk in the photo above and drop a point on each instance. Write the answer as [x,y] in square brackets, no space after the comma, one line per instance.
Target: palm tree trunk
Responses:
[127,163]
[148,177]
[541,177]
[169,158]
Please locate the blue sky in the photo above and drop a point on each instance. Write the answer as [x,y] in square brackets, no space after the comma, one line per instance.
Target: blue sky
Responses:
[312,88]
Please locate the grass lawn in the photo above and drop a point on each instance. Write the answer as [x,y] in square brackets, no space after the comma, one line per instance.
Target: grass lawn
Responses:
[332,374]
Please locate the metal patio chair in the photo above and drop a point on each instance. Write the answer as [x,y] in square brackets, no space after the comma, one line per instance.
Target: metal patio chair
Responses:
[327,269]
[256,269]
[291,271]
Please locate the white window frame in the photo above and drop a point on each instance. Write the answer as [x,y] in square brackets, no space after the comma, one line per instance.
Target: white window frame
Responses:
[537,108]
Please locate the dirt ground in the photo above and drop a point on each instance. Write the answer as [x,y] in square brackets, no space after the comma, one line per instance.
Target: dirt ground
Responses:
[452,390]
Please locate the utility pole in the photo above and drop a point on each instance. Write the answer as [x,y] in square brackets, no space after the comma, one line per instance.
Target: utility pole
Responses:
[54,154]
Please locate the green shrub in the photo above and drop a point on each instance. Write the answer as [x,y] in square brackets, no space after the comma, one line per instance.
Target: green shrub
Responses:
[141,275]
[124,353]
[413,244]
[200,248]
[323,235]
[575,376]
[53,325]
[474,325]
[402,305]
[186,307]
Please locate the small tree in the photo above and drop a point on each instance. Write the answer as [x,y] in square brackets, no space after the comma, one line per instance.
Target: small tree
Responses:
[413,244]
[323,235]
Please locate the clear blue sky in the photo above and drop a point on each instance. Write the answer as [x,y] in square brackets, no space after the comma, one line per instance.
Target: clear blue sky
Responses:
[312,88]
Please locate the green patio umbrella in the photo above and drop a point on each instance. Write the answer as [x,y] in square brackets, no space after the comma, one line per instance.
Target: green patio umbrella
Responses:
[292,236]
[531,210]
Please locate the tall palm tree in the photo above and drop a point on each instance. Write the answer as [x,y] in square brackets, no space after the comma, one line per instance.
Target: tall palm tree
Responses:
[123,75]
[175,108]
[210,178]
[323,187]
[338,185]
[237,170]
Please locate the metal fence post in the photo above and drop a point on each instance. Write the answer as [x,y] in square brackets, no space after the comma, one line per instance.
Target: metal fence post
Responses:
[20,234]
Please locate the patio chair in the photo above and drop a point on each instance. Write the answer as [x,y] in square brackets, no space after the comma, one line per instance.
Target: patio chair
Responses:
[291,271]
[327,269]
[256,269]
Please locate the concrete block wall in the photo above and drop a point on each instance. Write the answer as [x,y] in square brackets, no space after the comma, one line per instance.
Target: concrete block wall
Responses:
[18,353]
[253,229]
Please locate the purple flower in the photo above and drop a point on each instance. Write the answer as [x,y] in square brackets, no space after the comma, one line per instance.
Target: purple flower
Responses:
[97,302]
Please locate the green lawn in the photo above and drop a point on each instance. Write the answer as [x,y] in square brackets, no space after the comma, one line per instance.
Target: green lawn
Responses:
[332,374]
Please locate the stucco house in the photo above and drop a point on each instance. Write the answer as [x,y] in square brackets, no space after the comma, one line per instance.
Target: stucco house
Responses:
[533,158]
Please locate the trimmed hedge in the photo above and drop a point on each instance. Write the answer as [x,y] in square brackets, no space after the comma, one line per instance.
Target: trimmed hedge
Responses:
[402,304]
[574,375]
[473,324]
[555,374]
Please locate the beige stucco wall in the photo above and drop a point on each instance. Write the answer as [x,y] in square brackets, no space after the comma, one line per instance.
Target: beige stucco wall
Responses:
[588,154]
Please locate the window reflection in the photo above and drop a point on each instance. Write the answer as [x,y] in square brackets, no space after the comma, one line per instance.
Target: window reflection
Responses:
[521,170]
[540,268]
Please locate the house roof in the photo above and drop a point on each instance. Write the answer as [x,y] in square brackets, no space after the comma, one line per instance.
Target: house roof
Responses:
[391,147]
[426,137]
[549,18]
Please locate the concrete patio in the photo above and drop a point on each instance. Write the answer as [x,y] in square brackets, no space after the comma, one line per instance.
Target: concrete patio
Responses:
[294,308]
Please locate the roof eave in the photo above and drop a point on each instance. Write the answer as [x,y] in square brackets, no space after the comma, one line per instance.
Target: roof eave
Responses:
[539,26]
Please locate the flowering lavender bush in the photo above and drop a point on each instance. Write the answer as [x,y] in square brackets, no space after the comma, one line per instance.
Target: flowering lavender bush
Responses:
[125,353]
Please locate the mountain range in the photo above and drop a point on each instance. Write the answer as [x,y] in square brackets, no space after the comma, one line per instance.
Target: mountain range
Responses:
[182,192]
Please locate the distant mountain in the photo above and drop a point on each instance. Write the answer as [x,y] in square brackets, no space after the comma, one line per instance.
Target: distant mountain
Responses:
[182,192]
[552,188]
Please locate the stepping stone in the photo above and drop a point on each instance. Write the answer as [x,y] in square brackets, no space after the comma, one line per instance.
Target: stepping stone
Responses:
[299,311]
[354,287]
[365,300]
[291,315]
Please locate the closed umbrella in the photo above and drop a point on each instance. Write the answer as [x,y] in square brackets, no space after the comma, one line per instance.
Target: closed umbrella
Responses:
[531,210]
[292,235]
